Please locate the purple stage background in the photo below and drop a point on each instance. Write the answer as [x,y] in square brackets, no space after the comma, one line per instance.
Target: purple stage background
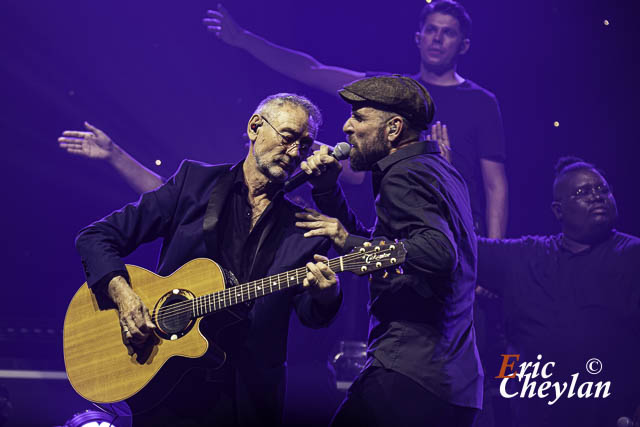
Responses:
[151,76]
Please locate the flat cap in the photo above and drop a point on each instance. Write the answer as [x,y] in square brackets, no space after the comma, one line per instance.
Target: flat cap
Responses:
[395,93]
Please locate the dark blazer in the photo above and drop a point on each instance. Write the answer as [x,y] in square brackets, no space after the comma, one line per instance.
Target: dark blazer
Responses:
[184,212]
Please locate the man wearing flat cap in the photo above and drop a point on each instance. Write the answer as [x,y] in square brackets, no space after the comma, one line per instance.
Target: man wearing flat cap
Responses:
[423,366]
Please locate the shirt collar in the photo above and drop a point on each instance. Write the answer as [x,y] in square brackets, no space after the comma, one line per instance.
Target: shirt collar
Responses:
[588,247]
[238,175]
[415,149]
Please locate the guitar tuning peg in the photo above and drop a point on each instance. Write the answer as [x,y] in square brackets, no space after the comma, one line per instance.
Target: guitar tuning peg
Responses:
[385,274]
[382,242]
[366,244]
[399,271]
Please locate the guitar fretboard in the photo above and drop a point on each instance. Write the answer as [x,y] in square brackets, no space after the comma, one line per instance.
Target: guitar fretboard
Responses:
[210,303]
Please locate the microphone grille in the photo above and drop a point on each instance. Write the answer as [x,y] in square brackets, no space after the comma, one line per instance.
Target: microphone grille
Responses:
[341,150]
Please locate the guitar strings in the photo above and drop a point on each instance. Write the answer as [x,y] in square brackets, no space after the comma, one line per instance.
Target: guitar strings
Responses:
[204,303]
[245,290]
[240,291]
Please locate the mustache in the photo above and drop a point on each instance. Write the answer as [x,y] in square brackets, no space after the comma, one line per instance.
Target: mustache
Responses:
[290,163]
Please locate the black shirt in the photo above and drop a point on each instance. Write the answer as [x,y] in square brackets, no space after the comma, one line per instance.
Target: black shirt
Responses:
[474,124]
[571,307]
[237,240]
[421,321]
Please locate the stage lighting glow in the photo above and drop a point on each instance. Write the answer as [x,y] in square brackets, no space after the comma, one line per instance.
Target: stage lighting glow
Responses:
[158,162]
[556,124]
[92,418]
[606,22]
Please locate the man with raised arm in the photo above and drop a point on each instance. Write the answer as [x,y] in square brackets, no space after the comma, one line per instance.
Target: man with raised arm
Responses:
[471,113]
[93,143]
[238,216]
[570,298]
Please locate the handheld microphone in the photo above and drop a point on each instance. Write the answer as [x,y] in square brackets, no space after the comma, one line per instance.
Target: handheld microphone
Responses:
[340,152]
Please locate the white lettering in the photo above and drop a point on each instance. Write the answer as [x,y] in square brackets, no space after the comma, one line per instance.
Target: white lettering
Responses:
[541,390]
[574,380]
[559,391]
[551,390]
[375,257]
[536,366]
[544,369]
[599,386]
[503,389]
[582,393]
[531,386]
[523,369]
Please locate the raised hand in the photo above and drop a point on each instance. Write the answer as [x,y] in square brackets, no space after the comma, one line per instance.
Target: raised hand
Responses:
[440,135]
[222,24]
[322,225]
[323,168]
[92,143]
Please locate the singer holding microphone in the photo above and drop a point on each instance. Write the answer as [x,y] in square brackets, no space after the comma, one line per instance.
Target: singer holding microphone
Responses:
[423,366]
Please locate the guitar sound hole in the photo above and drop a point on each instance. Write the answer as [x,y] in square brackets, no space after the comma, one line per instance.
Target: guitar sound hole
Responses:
[174,316]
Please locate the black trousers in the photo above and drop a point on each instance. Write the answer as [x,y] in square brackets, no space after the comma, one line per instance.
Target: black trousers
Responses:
[195,402]
[385,398]
[224,398]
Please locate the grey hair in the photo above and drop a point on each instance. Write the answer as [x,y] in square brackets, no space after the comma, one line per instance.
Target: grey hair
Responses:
[268,104]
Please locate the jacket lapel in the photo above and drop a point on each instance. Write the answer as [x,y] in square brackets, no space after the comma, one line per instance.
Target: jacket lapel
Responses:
[214,207]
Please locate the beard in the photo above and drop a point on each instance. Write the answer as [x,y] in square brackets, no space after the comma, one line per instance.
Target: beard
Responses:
[272,169]
[363,160]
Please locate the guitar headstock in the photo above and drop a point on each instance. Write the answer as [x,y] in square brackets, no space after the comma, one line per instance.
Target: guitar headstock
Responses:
[373,257]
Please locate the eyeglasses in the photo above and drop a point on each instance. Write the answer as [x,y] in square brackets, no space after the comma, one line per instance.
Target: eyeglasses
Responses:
[291,141]
[587,190]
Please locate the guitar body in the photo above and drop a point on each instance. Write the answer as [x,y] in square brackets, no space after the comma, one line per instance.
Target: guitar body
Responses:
[103,369]
[99,365]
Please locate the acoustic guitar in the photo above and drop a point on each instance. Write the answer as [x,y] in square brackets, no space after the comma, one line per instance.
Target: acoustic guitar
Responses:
[102,369]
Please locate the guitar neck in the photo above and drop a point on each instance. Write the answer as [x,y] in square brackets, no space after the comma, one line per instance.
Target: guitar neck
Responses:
[207,304]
